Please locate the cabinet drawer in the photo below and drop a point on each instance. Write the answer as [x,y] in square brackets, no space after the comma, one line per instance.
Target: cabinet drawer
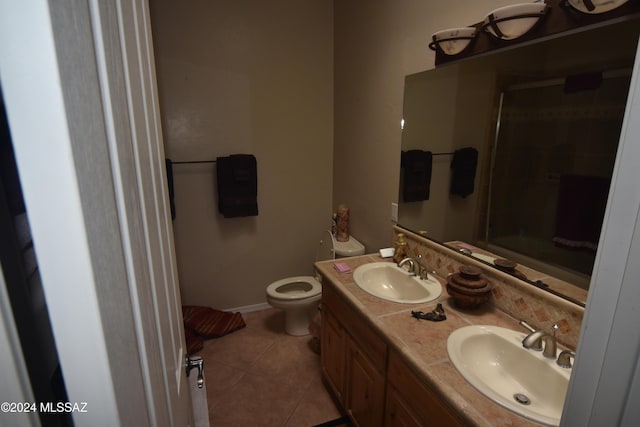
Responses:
[423,401]
[361,332]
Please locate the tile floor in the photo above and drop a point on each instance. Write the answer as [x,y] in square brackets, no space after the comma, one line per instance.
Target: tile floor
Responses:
[260,376]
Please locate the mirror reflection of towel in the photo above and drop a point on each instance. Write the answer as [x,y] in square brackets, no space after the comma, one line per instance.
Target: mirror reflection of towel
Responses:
[463,171]
[237,185]
[581,204]
[416,165]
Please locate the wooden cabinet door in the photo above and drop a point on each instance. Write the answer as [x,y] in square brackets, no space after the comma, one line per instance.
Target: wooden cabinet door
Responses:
[365,389]
[333,353]
[397,411]
[426,406]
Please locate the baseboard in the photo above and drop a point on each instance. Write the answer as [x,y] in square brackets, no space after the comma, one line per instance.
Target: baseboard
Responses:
[250,308]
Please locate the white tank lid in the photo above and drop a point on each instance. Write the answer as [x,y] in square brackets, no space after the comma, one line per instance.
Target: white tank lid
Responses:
[349,248]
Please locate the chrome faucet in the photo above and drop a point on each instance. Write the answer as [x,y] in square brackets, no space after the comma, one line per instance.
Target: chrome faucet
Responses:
[412,265]
[416,268]
[534,341]
[421,270]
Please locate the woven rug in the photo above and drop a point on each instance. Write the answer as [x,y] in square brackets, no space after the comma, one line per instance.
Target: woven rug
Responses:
[202,323]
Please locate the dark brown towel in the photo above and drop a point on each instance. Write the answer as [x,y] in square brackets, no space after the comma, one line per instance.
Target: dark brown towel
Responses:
[581,204]
[463,171]
[237,185]
[416,168]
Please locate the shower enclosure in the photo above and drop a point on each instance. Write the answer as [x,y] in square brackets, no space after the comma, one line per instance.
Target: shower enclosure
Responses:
[553,157]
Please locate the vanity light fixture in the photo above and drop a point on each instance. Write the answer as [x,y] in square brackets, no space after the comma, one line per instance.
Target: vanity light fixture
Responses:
[595,6]
[453,40]
[511,22]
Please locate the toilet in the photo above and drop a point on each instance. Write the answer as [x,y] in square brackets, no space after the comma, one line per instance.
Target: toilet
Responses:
[299,296]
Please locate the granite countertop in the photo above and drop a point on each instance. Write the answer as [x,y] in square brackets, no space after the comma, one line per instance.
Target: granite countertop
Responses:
[423,344]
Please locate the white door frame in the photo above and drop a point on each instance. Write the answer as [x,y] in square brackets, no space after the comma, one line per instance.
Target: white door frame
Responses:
[78,81]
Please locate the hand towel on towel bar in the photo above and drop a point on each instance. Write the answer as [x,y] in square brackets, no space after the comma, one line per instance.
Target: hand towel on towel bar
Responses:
[416,167]
[580,211]
[237,185]
[463,171]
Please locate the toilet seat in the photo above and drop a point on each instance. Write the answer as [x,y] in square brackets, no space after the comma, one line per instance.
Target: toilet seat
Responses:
[297,288]
[299,296]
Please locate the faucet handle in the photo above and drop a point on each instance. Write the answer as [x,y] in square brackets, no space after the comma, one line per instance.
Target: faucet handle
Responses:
[527,326]
[564,358]
[423,270]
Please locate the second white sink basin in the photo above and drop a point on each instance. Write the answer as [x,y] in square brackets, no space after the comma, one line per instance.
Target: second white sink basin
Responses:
[493,360]
[388,281]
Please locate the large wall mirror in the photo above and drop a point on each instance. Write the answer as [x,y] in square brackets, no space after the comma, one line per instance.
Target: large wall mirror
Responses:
[545,121]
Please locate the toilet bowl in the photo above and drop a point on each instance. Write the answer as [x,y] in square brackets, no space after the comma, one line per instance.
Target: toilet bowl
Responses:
[299,296]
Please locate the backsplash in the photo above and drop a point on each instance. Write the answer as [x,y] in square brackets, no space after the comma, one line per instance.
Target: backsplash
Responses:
[537,307]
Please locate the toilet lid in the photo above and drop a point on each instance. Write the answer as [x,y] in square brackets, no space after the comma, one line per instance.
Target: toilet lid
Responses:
[325,249]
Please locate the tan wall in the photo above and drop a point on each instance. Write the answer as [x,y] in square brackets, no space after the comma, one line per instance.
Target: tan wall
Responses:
[259,77]
[246,77]
[377,45]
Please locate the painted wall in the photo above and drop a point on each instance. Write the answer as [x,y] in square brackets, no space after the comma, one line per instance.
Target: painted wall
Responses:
[377,45]
[246,77]
[315,90]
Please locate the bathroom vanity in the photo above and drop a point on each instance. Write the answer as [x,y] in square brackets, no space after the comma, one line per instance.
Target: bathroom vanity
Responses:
[387,368]
[360,366]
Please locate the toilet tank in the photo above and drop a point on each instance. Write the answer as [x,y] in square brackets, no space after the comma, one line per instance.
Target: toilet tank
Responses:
[351,247]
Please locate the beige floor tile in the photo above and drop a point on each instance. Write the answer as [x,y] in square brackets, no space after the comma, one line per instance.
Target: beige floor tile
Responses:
[289,360]
[219,379]
[260,376]
[255,401]
[239,349]
[315,407]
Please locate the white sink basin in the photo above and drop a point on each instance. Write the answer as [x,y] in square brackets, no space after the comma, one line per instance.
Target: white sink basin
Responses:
[392,283]
[493,360]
